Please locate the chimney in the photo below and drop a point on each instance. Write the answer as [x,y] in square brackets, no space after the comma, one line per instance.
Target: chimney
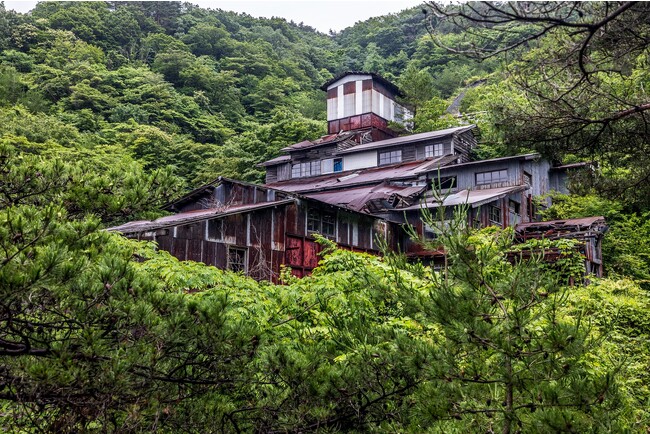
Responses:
[363,102]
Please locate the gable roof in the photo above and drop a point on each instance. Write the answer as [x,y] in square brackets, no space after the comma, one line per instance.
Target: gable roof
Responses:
[390,86]
[413,138]
[193,216]
[475,198]
[363,198]
[371,175]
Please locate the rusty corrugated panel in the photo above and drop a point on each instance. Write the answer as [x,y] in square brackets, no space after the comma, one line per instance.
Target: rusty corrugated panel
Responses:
[310,251]
[294,251]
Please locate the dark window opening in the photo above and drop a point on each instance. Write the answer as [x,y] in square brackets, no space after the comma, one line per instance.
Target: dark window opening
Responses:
[495,214]
[237,259]
[445,183]
[329,225]
[514,207]
[390,157]
[321,222]
[313,221]
[215,230]
[338,165]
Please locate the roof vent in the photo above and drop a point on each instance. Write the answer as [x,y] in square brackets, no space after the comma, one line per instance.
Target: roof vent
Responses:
[346,177]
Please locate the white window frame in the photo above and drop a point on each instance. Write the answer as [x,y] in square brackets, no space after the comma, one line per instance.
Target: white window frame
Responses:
[434,150]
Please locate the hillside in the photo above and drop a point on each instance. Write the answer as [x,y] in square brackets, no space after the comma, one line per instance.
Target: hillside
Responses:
[110,110]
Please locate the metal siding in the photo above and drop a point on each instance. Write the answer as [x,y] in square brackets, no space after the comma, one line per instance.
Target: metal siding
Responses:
[339,102]
[358,97]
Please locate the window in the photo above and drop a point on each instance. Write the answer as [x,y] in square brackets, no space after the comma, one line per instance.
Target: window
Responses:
[237,259]
[321,222]
[444,183]
[390,157]
[214,230]
[495,214]
[329,225]
[310,168]
[313,221]
[492,177]
[338,165]
[433,150]
[327,166]
[513,207]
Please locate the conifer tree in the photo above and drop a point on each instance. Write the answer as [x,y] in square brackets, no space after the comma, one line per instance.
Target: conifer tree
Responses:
[512,358]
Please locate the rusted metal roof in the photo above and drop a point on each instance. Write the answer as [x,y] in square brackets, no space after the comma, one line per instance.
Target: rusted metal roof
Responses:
[563,225]
[324,140]
[277,160]
[525,157]
[373,175]
[408,139]
[390,86]
[382,196]
[193,216]
[475,198]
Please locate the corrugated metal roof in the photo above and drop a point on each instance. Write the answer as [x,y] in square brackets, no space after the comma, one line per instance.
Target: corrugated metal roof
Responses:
[530,156]
[373,175]
[192,216]
[584,222]
[357,198]
[324,140]
[475,198]
[277,160]
[408,139]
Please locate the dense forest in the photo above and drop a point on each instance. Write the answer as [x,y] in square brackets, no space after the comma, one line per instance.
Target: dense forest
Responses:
[109,110]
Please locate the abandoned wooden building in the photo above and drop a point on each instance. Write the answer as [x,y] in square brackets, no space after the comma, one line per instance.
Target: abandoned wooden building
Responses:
[358,183]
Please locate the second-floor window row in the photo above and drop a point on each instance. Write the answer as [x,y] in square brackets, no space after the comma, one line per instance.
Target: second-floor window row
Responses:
[318,167]
[390,157]
[436,150]
[492,177]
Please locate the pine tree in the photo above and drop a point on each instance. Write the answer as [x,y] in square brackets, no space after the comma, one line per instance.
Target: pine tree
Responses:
[513,358]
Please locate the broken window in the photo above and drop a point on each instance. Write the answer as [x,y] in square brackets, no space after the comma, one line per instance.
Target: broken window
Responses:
[444,183]
[237,259]
[338,165]
[322,222]
[214,230]
[495,214]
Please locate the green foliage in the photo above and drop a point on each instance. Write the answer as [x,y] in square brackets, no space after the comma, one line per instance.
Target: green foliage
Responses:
[107,107]
[626,250]
[84,183]
[513,357]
